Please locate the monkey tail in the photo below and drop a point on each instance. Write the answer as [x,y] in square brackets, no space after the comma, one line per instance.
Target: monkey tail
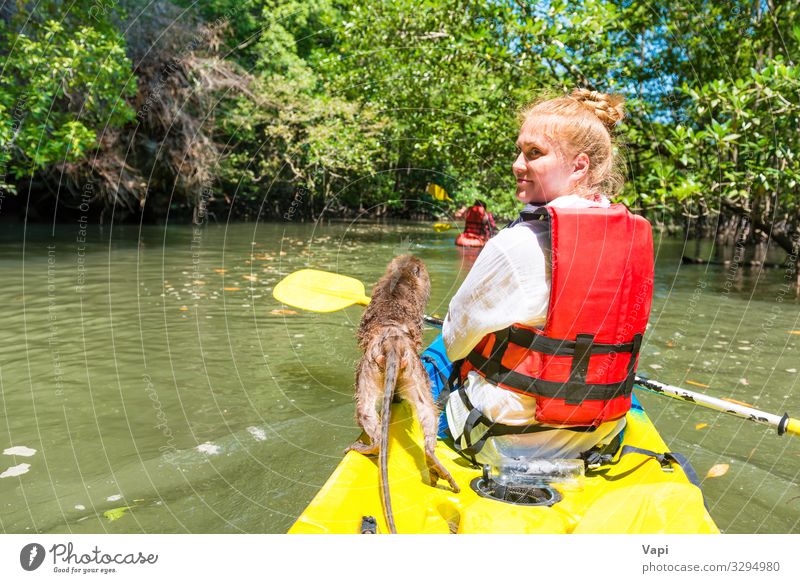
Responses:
[392,370]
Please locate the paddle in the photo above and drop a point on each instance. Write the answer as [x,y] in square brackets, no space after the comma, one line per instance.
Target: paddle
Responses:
[784,424]
[323,291]
[320,291]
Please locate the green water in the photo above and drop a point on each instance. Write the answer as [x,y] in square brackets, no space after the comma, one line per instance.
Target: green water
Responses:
[147,369]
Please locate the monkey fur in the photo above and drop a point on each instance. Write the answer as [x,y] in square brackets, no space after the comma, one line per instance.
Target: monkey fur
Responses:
[390,335]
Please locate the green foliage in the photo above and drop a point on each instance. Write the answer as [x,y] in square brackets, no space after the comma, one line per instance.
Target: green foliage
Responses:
[360,105]
[735,146]
[63,84]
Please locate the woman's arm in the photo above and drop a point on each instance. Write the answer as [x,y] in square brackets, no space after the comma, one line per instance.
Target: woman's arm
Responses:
[508,283]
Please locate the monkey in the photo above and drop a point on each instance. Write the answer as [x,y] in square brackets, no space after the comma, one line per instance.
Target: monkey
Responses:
[390,336]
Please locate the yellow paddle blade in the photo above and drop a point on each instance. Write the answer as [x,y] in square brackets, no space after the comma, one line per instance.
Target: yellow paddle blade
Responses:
[319,291]
[442,227]
[437,192]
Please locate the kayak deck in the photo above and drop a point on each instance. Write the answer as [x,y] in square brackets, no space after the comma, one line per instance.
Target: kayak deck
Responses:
[632,494]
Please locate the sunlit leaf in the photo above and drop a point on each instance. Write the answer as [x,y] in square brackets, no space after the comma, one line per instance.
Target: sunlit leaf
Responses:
[696,384]
[718,470]
[116,513]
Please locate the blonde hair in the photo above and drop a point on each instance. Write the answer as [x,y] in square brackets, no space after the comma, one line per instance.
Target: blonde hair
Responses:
[584,122]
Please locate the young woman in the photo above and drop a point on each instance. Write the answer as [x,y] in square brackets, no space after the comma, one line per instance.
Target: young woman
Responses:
[552,397]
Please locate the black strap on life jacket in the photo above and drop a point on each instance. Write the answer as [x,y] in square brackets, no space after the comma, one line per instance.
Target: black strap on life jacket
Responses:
[575,389]
[494,429]
[526,214]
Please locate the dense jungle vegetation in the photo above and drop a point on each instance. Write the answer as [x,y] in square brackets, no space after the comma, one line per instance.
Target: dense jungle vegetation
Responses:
[267,109]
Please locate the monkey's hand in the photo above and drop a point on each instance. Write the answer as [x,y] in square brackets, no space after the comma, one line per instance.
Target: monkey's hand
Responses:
[439,472]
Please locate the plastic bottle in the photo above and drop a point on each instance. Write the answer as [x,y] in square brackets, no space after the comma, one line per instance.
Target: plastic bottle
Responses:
[538,472]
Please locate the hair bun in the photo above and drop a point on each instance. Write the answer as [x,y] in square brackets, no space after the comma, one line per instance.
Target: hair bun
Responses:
[609,108]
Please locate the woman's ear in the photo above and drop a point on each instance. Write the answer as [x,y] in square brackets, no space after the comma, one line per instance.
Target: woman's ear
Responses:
[580,167]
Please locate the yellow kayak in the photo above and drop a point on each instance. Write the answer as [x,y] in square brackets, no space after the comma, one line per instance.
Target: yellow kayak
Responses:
[629,493]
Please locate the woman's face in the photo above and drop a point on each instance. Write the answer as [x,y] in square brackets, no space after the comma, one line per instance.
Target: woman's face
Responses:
[542,170]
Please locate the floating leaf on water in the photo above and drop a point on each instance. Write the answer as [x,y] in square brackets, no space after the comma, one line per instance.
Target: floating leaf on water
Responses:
[250,277]
[735,402]
[19,450]
[283,312]
[208,448]
[793,370]
[221,270]
[744,381]
[231,288]
[654,366]
[718,470]
[116,513]
[696,384]
[793,332]
[16,471]
[184,309]
[701,426]
[257,433]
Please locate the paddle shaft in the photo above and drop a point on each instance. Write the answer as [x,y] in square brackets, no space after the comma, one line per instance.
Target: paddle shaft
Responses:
[783,424]
[434,322]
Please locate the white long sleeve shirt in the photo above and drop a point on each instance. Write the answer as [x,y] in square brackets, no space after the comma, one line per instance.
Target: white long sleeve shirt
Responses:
[510,283]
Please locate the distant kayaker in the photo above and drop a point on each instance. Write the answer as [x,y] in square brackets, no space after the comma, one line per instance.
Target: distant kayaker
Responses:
[529,382]
[479,226]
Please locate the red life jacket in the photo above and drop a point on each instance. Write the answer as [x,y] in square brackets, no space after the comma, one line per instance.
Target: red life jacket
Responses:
[474,222]
[580,367]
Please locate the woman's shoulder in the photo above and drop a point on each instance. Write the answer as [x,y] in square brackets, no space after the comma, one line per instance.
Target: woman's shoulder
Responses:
[515,235]
[517,243]
[524,230]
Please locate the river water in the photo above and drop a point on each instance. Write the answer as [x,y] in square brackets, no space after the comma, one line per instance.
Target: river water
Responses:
[149,382]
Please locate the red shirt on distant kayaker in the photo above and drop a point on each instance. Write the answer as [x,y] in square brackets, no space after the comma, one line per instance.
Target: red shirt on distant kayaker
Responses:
[566,160]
